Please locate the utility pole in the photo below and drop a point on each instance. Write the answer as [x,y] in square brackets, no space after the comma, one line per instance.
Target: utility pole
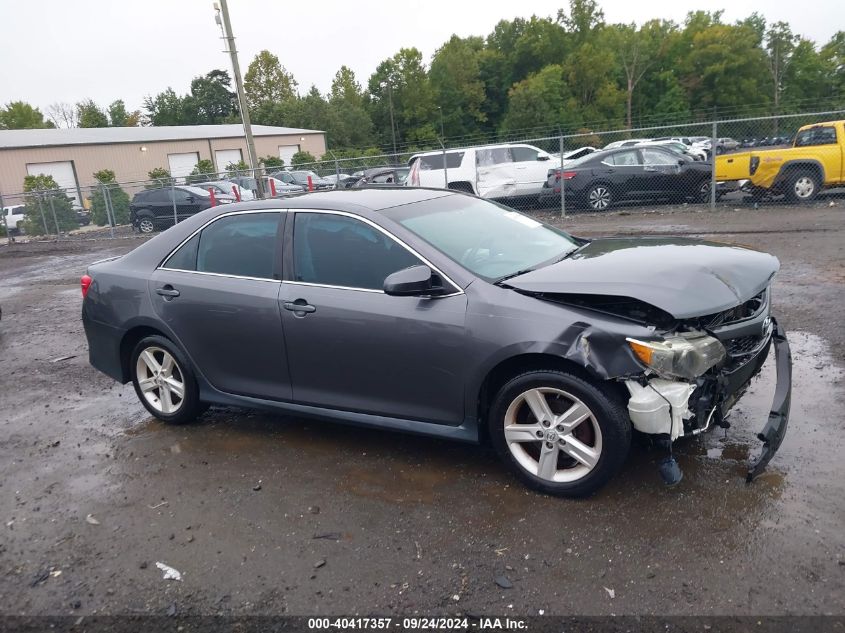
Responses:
[226,26]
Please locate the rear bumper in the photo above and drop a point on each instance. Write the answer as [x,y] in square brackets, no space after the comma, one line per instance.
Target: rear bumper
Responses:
[104,348]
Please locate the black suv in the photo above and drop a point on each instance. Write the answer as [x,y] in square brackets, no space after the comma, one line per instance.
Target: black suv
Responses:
[153,209]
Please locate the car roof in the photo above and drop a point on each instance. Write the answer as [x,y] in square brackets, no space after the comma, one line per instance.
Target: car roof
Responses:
[351,200]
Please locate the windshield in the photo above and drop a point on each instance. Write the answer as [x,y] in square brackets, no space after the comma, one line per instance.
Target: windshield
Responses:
[489,240]
[196,191]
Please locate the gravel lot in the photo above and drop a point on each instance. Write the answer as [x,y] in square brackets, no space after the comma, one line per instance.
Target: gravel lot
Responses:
[270,515]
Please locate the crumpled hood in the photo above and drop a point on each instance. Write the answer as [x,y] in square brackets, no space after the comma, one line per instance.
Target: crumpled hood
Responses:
[684,277]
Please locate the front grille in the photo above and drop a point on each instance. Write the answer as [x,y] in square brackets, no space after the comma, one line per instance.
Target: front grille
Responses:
[740,312]
[742,345]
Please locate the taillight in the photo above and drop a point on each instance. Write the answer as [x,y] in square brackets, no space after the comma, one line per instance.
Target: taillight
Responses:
[85,282]
[569,175]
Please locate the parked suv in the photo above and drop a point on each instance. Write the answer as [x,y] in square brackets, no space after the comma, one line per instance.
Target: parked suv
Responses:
[153,209]
[505,171]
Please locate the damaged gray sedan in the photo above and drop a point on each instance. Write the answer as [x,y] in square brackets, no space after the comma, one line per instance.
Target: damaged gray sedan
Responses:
[438,313]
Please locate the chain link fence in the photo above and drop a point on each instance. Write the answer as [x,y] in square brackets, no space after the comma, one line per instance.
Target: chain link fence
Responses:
[681,164]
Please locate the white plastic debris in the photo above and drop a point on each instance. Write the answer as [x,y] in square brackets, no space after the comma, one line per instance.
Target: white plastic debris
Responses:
[610,592]
[169,572]
[90,519]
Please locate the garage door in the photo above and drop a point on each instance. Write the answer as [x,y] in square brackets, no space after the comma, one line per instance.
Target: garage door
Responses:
[286,153]
[62,172]
[225,157]
[182,164]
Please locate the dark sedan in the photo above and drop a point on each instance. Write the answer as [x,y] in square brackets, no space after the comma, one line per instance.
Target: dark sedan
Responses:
[383,177]
[646,174]
[436,312]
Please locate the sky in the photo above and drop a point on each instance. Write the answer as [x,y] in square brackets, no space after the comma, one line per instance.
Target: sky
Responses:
[58,51]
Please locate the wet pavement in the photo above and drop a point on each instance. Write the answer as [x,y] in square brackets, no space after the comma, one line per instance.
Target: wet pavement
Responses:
[267,514]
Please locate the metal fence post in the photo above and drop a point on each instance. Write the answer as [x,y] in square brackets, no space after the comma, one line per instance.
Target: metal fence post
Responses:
[173,198]
[562,183]
[41,210]
[713,150]
[445,168]
[55,219]
[9,239]
[109,209]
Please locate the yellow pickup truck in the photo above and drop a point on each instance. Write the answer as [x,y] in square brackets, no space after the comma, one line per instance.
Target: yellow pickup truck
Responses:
[815,160]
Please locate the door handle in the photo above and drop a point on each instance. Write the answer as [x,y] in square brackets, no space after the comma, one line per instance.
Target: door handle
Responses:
[167,291]
[649,169]
[300,305]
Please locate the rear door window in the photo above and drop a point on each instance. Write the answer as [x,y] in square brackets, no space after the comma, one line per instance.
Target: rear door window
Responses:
[493,156]
[243,245]
[627,158]
[524,154]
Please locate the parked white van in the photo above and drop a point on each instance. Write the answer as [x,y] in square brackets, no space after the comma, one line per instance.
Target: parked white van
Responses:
[511,170]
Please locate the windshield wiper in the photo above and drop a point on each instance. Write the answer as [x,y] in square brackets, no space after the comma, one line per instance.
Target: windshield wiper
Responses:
[548,262]
[516,274]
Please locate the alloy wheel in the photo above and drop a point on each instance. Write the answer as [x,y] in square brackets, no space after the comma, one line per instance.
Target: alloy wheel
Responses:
[804,187]
[146,226]
[160,380]
[553,434]
[599,198]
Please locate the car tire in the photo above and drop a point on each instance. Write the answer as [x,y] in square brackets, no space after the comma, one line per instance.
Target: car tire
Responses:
[702,191]
[601,438]
[802,185]
[599,197]
[164,381]
[146,224]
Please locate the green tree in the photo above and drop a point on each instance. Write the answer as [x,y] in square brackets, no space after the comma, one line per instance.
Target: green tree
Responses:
[349,121]
[90,114]
[542,100]
[302,158]
[211,100]
[166,108]
[19,115]
[457,85]
[120,117]
[724,68]
[584,20]
[159,177]
[403,82]
[271,162]
[118,197]
[780,43]
[238,169]
[46,205]
[833,54]
[203,171]
[638,50]
[267,82]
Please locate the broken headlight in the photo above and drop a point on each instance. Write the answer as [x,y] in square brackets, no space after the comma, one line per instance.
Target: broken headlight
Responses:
[683,356]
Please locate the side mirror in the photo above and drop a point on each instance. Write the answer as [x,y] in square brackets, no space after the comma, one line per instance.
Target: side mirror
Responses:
[542,157]
[411,282]
[682,162]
